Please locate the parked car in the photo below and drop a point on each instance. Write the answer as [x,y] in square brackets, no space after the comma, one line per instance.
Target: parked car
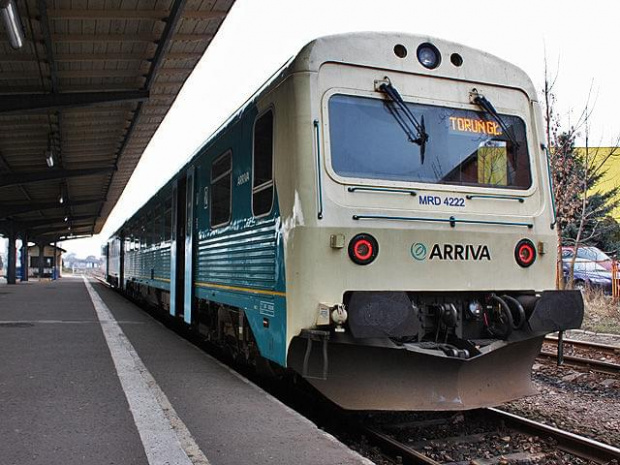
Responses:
[588,274]
[587,253]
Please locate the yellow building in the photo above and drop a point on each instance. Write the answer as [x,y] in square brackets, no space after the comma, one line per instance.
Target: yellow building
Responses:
[610,158]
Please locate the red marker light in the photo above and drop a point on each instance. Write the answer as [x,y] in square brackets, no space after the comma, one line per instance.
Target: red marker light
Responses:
[525,253]
[363,249]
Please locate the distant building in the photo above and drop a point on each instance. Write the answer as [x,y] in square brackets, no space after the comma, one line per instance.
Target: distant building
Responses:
[82,265]
[51,265]
[611,176]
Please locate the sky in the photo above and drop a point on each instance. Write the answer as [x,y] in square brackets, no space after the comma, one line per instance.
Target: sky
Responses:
[575,39]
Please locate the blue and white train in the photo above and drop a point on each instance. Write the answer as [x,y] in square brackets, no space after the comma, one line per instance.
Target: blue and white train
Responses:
[378,219]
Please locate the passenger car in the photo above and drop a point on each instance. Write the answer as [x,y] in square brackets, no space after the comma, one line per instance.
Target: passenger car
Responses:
[587,253]
[370,222]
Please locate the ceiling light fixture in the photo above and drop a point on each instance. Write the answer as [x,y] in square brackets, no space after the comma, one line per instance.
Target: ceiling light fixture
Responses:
[49,157]
[12,23]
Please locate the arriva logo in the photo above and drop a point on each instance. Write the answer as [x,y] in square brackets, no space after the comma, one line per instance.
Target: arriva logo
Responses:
[452,252]
[418,251]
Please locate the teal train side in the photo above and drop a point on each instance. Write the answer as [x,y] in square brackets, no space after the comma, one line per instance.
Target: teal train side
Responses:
[237,265]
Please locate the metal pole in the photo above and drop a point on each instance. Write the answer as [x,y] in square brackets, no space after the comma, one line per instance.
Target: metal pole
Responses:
[561,348]
[54,272]
[11,259]
[41,259]
[24,258]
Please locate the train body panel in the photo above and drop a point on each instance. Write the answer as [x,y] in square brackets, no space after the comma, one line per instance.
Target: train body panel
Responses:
[327,273]
[364,203]
[113,261]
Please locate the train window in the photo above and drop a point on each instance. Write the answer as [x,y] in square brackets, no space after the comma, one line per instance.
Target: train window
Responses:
[221,190]
[148,230]
[168,219]
[143,233]
[464,147]
[262,183]
[159,228]
[492,163]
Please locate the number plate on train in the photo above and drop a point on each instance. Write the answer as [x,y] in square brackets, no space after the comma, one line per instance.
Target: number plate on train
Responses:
[436,200]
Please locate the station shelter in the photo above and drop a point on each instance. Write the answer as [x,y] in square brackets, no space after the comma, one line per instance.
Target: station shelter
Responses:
[46,263]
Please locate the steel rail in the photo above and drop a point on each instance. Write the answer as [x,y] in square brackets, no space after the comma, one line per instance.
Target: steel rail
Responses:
[395,448]
[588,345]
[595,365]
[569,442]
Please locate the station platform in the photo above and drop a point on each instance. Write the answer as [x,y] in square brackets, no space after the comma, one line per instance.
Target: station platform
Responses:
[88,378]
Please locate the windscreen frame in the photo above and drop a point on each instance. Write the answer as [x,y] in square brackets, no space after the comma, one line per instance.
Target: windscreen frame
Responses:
[520,112]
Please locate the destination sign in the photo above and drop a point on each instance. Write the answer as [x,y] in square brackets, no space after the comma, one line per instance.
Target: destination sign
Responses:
[462,124]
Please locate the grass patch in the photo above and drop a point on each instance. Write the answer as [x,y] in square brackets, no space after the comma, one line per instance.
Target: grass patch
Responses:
[602,315]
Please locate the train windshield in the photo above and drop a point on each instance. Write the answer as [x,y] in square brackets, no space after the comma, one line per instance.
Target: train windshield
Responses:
[464,147]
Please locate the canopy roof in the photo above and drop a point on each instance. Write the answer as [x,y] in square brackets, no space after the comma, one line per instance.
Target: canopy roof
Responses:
[88,89]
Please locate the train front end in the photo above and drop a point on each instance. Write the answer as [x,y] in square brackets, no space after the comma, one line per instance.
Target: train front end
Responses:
[421,256]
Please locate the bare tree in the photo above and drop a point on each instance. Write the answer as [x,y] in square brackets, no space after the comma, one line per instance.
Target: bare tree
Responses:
[573,177]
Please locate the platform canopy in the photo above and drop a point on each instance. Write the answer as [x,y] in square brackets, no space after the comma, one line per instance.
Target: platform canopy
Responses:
[81,99]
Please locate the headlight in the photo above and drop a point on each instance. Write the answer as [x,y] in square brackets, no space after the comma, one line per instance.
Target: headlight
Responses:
[475,309]
[363,249]
[429,56]
[525,253]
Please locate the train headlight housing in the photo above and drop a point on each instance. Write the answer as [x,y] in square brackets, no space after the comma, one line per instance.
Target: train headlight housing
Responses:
[429,56]
[474,309]
[363,249]
[525,253]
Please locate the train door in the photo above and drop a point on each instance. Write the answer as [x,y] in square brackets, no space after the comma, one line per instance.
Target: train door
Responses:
[177,252]
[189,242]
[121,261]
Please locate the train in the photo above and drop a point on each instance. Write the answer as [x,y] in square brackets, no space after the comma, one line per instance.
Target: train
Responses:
[377,219]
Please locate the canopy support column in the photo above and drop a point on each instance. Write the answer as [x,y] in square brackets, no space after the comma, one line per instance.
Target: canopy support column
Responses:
[10,272]
[24,257]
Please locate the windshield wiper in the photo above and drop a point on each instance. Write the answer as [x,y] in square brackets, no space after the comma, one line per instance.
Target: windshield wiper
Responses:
[418,135]
[487,106]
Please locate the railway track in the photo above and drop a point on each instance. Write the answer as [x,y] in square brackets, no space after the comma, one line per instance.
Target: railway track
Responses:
[603,348]
[504,438]
[585,354]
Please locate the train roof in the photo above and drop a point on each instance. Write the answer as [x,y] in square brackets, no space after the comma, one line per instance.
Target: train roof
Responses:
[376,50]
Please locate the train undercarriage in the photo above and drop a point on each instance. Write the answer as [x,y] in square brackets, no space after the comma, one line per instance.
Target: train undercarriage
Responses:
[433,351]
[222,326]
[404,351]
